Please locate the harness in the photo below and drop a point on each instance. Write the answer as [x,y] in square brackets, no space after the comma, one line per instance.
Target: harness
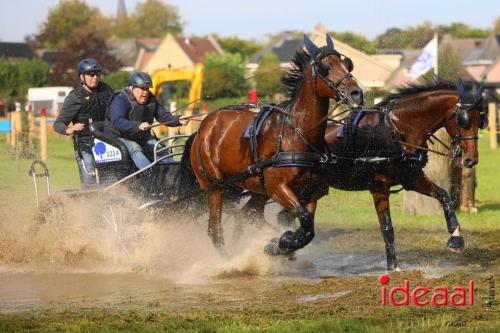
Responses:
[302,159]
[311,159]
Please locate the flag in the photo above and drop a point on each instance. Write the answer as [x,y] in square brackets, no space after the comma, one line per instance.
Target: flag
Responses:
[426,60]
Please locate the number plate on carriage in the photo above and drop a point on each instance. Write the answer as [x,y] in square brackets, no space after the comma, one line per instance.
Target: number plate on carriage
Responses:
[104,153]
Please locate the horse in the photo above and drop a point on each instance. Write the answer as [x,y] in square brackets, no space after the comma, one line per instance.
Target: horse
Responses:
[280,162]
[386,146]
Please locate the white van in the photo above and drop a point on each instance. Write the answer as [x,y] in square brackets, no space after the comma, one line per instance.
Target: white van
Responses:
[50,97]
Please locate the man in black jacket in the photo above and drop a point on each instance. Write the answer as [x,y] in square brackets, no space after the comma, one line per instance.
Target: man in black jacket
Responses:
[131,113]
[86,103]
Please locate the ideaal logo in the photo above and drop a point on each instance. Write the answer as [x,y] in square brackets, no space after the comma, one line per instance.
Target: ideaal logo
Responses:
[421,295]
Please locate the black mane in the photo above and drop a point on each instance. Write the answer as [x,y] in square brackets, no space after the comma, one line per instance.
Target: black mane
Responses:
[423,85]
[294,76]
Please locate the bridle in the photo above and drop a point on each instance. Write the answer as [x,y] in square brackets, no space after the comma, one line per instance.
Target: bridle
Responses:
[462,122]
[319,69]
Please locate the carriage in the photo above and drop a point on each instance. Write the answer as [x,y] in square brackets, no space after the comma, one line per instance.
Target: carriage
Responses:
[116,172]
[288,162]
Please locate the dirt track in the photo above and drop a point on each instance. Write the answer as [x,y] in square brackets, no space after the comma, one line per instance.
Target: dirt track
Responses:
[81,262]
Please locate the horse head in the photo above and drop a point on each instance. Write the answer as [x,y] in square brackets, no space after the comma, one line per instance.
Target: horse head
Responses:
[469,117]
[331,72]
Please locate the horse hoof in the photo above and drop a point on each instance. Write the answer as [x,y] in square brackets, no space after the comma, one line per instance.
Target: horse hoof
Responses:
[272,248]
[456,244]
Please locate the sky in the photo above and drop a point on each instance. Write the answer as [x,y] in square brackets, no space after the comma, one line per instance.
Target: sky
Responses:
[253,19]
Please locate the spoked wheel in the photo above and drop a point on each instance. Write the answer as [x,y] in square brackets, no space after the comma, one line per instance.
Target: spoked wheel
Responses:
[115,214]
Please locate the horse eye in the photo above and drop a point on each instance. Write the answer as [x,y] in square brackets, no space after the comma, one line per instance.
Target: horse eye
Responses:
[324,69]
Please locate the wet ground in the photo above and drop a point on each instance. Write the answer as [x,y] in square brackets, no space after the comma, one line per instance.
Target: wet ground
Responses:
[88,259]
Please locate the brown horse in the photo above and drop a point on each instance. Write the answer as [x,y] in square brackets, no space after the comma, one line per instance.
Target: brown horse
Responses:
[280,162]
[386,146]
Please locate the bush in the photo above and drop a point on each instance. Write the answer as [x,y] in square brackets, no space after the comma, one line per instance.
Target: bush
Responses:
[224,76]
[268,76]
[17,75]
[117,80]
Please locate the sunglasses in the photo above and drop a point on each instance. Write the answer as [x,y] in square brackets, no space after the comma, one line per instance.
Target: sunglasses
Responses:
[92,74]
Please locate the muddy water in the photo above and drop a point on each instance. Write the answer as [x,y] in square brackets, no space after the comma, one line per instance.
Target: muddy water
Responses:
[79,252]
[86,254]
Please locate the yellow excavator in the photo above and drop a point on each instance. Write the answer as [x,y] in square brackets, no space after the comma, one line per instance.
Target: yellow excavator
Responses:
[179,74]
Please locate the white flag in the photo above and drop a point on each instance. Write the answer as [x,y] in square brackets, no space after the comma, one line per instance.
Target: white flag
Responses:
[426,60]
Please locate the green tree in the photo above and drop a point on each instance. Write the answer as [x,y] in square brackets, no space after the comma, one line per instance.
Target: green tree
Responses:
[153,18]
[224,76]
[461,30]
[64,19]
[117,80]
[449,63]
[236,45]
[268,75]
[82,44]
[16,76]
[412,37]
[359,42]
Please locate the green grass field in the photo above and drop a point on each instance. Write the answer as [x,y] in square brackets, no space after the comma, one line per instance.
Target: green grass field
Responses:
[351,219]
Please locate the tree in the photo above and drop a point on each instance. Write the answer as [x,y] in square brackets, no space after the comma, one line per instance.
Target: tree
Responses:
[66,18]
[84,43]
[412,37]
[153,18]
[117,80]
[236,45]
[224,76]
[268,75]
[359,42]
[461,30]
[16,76]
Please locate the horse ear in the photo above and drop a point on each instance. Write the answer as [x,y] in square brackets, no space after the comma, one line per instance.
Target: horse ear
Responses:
[329,42]
[460,88]
[479,90]
[310,47]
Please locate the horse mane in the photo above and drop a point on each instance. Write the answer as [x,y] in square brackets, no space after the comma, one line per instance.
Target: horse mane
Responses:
[423,85]
[293,78]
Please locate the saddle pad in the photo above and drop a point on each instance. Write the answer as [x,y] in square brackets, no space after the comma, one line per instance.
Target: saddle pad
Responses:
[266,111]
[353,125]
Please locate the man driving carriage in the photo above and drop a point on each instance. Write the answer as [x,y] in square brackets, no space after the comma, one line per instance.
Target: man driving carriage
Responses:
[130,115]
[86,102]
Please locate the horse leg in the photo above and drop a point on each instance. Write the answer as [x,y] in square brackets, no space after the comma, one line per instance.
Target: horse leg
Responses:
[291,241]
[254,208]
[252,211]
[426,187]
[214,200]
[381,201]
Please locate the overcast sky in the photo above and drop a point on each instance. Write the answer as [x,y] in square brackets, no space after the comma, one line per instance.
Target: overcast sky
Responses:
[255,18]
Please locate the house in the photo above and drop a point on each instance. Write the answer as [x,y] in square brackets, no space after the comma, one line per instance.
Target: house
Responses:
[483,64]
[371,72]
[177,52]
[16,51]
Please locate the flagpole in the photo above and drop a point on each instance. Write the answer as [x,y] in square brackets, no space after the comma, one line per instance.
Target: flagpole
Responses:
[437,54]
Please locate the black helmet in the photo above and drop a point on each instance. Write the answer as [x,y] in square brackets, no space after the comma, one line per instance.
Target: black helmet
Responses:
[88,65]
[140,79]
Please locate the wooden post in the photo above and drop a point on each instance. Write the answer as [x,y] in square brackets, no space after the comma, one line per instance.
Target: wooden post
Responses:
[9,134]
[43,134]
[438,170]
[492,118]
[31,123]
[15,127]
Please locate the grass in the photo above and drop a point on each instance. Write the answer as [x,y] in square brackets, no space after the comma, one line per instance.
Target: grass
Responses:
[351,223]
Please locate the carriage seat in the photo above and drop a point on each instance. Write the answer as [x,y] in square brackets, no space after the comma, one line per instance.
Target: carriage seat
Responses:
[97,130]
